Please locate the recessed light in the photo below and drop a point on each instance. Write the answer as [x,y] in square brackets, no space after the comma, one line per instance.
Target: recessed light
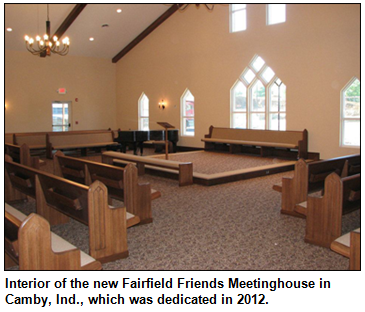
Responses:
[9,29]
[119,10]
[91,38]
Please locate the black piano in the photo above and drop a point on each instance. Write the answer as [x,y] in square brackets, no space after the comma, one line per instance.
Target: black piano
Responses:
[138,137]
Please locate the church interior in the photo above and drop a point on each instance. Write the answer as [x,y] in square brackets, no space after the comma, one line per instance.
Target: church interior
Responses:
[182,137]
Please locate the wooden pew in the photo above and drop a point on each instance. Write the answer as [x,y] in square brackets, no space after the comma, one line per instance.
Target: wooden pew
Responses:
[324,213]
[77,140]
[270,142]
[57,199]
[184,169]
[30,244]
[122,183]
[348,245]
[309,177]
[21,155]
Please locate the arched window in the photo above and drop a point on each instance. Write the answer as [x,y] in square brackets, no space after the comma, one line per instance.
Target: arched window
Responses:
[258,98]
[187,114]
[143,112]
[350,114]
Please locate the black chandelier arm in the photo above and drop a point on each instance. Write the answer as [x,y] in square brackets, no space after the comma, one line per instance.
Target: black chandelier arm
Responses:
[62,52]
[182,7]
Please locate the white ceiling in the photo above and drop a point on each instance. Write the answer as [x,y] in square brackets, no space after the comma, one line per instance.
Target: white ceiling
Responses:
[31,19]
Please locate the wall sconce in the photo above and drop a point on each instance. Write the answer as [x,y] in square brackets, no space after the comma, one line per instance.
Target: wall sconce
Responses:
[162,105]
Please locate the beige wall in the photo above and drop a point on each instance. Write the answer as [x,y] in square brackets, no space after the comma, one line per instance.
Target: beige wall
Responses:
[315,53]
[31,83]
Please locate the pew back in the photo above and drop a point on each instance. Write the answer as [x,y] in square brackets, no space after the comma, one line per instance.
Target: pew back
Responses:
[272,136]
[35,140]
[21,155]
[9,138]
[122,183]
[79,140]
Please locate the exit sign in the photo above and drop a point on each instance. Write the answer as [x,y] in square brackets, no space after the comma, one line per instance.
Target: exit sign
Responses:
[61,91]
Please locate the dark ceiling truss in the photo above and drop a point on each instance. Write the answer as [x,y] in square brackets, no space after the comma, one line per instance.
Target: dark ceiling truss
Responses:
[79,7]
[146,32]
[69,19]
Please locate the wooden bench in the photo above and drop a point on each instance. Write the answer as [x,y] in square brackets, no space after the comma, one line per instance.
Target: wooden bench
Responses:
[324,212]
[30,244]
[57,199]
[83,141]
[348,245]
[269,142]
[21,155]
[309,177]
[122,183]
[184,169]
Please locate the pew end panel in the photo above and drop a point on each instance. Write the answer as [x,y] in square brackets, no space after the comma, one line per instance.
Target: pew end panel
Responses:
[324,213]
[294,190]
[355,252]
[107,226]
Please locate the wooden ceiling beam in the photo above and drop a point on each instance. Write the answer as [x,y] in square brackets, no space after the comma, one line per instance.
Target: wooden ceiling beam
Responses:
[146,32]
[69,19]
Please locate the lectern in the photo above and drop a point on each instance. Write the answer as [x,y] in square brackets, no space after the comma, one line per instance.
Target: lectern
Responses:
[167,126]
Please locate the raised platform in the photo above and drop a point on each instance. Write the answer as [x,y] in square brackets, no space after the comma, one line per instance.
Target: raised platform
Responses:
[212,168]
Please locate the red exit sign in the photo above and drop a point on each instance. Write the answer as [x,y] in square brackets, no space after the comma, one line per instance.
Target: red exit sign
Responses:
[61,91]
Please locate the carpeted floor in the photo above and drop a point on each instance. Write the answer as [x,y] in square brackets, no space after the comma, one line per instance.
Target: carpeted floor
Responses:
[233,226]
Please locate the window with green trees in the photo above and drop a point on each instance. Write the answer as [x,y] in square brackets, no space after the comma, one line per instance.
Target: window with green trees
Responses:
[350,114]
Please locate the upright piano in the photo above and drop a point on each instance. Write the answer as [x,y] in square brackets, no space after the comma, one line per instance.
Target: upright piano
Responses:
[138,137]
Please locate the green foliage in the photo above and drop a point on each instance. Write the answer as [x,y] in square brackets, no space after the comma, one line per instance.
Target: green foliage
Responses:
[354,89]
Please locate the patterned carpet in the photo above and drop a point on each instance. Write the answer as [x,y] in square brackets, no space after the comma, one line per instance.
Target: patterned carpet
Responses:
[217,162]
[233,226]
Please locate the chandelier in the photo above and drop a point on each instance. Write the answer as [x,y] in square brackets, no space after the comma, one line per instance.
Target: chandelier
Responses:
[47,45]
[182,7]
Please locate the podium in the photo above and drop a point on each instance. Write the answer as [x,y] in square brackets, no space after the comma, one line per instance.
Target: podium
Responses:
[166,126]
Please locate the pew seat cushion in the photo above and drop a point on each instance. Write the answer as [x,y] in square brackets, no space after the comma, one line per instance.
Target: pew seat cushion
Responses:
[342,244]
[58,243]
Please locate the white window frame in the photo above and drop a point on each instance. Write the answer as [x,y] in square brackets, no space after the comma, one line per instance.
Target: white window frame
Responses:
[279,112]
[249,84]
[142,117]
[64,126]
[269,10]
[233,13]
[344,118]
[235,112]
[184,132]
